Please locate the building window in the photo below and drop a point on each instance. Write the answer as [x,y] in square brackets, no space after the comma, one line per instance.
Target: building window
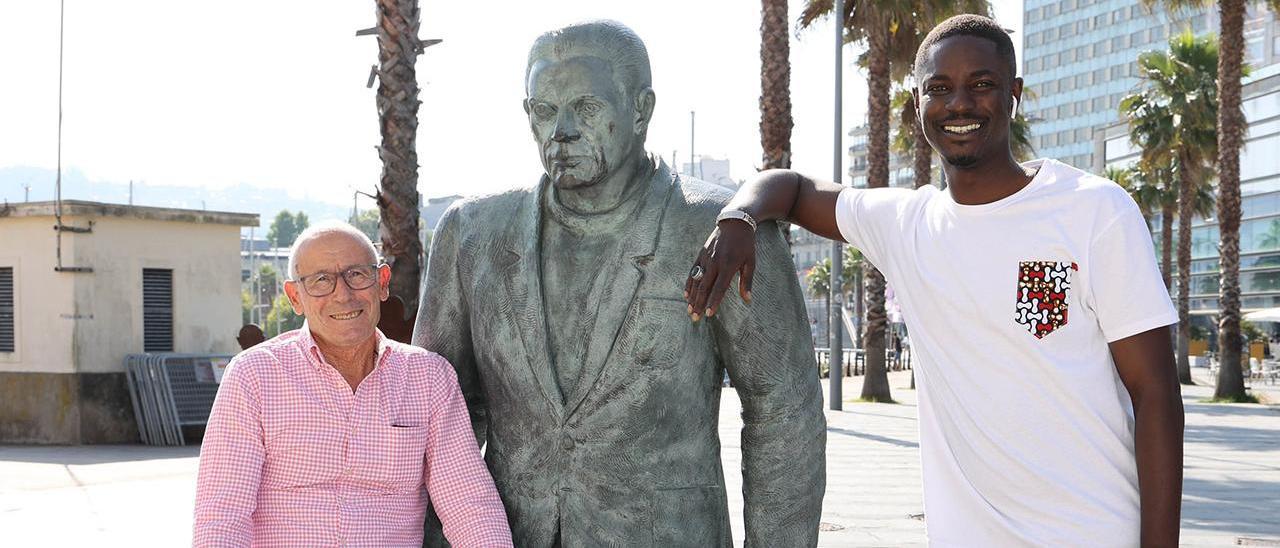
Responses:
[157,310]
[7,342]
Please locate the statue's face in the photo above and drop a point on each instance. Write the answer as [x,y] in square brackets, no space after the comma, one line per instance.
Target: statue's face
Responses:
[582,121]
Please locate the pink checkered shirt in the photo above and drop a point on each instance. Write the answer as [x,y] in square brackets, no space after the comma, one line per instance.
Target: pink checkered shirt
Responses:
[292,457]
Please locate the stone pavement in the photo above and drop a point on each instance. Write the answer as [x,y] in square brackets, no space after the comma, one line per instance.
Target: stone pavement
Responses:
[142,496]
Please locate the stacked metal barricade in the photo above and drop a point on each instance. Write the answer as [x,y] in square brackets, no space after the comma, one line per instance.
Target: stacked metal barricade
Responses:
[170,391]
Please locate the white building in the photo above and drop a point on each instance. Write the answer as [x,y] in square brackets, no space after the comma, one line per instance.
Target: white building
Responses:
[130,279]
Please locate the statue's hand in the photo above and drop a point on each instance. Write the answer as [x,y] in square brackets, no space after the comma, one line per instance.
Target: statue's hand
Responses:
[730,249]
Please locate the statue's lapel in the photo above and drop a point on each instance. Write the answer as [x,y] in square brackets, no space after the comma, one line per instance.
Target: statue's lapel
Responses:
[617,292]
[523,284]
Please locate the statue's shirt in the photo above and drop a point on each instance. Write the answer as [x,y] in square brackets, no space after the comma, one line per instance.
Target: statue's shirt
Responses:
[576,250]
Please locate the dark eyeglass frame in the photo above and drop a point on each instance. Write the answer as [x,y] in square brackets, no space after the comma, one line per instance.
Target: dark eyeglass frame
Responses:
[308,282]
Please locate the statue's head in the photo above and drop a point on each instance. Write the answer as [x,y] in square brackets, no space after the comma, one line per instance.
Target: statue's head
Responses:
[589,101]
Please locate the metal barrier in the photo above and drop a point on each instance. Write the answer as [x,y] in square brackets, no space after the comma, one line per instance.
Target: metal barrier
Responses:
[170,391]
[855,363]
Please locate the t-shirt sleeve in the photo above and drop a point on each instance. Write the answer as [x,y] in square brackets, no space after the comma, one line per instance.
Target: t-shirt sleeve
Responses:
[867,219]
[1128,293]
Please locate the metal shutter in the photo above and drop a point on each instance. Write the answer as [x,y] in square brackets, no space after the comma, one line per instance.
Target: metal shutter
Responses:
[157,310]
[7,344]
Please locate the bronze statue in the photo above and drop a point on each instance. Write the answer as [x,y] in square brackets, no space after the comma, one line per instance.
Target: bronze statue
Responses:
[561,308]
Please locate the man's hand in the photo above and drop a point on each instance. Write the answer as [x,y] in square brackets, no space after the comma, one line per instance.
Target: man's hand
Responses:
[731,249]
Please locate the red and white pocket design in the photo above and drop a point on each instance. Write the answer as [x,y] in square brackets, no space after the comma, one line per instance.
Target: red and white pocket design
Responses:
[1043,287]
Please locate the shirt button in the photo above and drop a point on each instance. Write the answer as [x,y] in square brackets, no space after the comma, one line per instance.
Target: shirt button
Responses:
[566,443]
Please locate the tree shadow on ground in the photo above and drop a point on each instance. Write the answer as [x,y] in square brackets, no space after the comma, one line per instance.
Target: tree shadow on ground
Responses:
[1234,437]
[1242,508]
[1194,404]
[873,437]
[92,454]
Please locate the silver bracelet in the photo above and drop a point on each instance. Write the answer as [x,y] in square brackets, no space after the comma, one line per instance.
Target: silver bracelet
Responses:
[738,215]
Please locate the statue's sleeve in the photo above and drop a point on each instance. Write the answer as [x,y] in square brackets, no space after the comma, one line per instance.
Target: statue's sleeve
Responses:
[444,324]
[767,350]
[444,327]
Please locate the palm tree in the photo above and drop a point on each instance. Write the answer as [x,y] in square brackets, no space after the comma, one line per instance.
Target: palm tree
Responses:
[1173,121]
[398,49]
[775,85]
[891,30]
[818,278]
[1231,126]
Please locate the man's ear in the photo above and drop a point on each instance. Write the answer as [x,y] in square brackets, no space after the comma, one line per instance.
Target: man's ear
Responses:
[1016,91]
[644,109]
[291,290]
[384,281]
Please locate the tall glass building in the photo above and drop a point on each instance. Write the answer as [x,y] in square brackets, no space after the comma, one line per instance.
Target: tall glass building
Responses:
[1260,202]
[1079,59]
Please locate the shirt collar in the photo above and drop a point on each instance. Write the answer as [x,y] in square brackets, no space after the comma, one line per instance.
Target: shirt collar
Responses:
[311,350]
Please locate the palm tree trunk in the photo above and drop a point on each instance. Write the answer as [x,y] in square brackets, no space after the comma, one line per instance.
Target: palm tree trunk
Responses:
[875,384]
[1186,196]
[1166,244]
[922,164]
[775,91]
[775,85]
[398,49]
[1231,128]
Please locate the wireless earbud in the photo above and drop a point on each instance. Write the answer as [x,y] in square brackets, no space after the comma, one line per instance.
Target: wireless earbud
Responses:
[1013,113]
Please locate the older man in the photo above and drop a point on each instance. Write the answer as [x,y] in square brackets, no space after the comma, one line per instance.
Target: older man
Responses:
[560,306]
[335,435]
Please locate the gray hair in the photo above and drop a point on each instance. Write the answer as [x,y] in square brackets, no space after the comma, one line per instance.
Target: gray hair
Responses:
[609,40]
[323,228]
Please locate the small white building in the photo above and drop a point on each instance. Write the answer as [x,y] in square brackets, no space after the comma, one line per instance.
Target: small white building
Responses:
[129,279]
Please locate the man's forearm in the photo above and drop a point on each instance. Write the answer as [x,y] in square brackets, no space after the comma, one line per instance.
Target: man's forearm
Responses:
[1158,442]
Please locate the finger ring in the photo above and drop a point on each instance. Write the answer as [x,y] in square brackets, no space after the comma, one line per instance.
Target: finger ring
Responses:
[696,273]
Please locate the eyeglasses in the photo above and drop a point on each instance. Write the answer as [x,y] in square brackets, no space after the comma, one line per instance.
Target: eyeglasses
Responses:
[322,284]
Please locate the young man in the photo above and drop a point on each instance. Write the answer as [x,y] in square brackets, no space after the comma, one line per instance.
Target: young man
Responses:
[1049,410]
[335,435]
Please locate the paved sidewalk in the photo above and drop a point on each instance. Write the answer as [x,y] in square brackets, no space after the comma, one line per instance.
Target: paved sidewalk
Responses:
[143,496]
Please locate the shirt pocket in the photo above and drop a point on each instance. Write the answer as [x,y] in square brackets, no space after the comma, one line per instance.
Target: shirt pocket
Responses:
[403,456]
[1043,292]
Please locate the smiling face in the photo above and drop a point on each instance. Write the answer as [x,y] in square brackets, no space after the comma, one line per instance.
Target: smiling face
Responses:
[581,120]
[965,98]
[345,317]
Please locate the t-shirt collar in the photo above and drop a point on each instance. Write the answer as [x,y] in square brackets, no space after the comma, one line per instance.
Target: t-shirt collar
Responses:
[1045,171]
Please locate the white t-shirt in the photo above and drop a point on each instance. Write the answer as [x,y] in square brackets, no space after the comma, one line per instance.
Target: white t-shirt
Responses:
[1026,432]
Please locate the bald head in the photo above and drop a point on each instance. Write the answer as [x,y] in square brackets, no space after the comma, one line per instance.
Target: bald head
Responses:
[331,229]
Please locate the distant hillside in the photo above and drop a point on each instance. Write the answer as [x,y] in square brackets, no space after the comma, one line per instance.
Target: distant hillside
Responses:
[243,198]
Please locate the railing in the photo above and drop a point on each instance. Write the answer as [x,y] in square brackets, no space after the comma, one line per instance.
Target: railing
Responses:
[854,361]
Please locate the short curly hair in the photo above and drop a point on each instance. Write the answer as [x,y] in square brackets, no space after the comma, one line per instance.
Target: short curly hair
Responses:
[969,25]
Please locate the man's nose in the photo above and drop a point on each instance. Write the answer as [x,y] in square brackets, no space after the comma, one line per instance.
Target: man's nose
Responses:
[342,291]
[566,129]
[960,102]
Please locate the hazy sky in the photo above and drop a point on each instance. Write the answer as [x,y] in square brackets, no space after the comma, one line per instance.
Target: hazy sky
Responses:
[272,92]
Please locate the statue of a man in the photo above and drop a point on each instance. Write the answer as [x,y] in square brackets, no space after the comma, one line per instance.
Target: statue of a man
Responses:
[561,308]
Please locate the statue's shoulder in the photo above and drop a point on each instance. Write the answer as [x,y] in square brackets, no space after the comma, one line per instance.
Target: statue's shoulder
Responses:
[698,199]
[487,208]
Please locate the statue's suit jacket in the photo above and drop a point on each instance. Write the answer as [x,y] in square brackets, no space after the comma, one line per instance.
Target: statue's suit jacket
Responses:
[630,457]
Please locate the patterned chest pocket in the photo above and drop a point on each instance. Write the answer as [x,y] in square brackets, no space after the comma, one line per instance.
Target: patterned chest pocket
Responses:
[1043,287]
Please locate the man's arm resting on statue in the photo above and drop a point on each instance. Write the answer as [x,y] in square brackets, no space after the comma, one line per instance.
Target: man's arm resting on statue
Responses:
[730,250]
[1146,367]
